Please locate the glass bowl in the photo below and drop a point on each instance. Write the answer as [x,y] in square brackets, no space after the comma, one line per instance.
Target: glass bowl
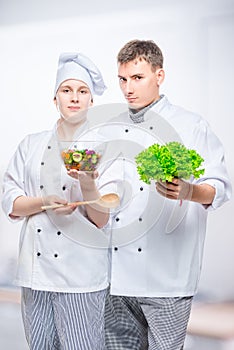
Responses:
[81,155]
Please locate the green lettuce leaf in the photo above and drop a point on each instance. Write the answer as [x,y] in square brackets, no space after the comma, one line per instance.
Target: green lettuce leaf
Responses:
[165,162]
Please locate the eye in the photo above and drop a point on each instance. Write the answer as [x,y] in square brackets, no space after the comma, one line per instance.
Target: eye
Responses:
[66,90]
[84,91]
[138,77]
[122,80]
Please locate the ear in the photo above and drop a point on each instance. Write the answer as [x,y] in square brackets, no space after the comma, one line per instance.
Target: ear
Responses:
[56,104]
[160,74]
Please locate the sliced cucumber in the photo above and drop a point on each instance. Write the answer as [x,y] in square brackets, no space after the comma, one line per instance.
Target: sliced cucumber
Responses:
[77,157]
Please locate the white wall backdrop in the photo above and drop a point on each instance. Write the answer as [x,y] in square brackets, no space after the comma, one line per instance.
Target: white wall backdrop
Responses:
[197,38]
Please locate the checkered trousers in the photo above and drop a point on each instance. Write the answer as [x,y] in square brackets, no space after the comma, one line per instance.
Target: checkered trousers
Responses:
[142,323]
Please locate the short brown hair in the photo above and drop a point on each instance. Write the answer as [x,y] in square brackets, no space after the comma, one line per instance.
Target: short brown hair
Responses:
[142,49]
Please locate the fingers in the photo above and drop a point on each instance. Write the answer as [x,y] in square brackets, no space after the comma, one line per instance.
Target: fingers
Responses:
[95,174]
[176,189]
[66,210]
[73,173]
[167,189]
[53,200]
[80,175]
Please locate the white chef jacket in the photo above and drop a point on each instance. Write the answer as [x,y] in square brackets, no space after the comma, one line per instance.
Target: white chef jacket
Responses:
[48,259]
[164,257]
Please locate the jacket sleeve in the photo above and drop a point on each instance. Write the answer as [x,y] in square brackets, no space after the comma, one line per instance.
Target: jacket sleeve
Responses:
[216,175]
[13,180]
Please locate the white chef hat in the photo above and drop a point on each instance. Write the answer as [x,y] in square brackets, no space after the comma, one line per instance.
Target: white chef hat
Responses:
[73,65]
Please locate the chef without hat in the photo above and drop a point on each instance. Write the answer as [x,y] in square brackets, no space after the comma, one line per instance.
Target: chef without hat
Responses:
[78,66]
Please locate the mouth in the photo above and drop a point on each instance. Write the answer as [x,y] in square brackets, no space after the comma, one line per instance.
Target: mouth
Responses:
[131,99]
[74,108]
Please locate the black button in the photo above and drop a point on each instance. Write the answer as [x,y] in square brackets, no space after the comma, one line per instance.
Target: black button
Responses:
[140,219]
[117,219]
[126,130]
[58,233]
[55,255]
[38,254]
[42,163]
[49,147]
[139,249]
[151,127]
[38,230]
[141,188]
[115,248]
[41,187]
[64,188]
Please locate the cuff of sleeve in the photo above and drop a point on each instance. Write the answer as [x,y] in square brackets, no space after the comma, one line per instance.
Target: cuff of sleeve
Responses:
[7,205]
[219,197]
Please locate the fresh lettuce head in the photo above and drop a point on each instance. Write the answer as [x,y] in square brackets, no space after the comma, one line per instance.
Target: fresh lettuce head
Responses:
[165,162]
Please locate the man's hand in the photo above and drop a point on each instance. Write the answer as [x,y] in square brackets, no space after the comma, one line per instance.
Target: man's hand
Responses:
[179,189]
[176,189]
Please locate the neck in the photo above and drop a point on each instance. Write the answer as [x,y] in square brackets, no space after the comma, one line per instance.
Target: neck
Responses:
[138,116]
[66,130]
[149,104]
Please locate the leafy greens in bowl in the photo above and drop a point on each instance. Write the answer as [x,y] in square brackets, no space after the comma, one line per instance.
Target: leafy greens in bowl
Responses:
[165,162]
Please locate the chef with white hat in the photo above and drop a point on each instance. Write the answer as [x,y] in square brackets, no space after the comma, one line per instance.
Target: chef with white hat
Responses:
[63,282]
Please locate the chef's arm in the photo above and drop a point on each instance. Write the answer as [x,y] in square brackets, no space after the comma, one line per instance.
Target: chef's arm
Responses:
[96,214]
[201,193]
[25,206]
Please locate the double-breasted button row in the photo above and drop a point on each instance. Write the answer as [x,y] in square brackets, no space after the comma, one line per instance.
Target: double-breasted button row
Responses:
[41,186]
[58,232]
[118,219]
[116,249]
[55,255]
[64,187]
[150,127]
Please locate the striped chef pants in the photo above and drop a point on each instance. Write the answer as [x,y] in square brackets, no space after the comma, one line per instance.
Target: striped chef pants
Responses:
[143,323]
[63,321]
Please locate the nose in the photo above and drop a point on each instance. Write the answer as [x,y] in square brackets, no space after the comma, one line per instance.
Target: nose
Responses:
[75,97]
[128,88]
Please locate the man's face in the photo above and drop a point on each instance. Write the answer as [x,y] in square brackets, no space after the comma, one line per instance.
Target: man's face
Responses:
[72,97]
[139,83]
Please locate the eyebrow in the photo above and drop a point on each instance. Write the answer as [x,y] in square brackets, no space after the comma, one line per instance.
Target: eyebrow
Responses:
[80,87]
[132,76]
[84,87]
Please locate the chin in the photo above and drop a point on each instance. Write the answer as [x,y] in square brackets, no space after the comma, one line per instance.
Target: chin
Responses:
[134,105]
